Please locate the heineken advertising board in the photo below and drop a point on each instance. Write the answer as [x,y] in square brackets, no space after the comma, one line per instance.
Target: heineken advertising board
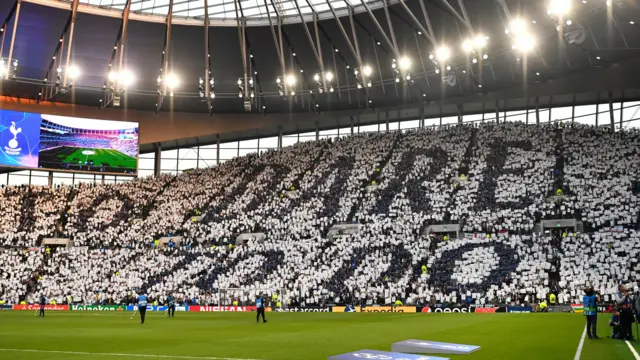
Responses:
[98,307]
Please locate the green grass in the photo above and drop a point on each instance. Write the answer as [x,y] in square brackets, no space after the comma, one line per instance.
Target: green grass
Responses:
[102,157]
[297,335]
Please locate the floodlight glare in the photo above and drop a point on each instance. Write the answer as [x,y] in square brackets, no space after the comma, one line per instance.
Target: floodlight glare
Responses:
[559,7]
[172,81]
[518,26]
[405,63]
[329,76]
[525,43]
[73,71]
[3,71]
[113,76]
[127,78]
[480,41]
[367,70]
[467,45]
[316,77]
[443,53]
[291,80]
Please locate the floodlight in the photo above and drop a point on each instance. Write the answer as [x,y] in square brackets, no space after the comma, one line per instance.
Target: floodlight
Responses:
[328,76]
[172,81]
[239,81]
[518,26]
[331,89]
[3,71]
[278,81]
[467,45]
[525,43]
[127,78]
[113,76]
[73,71]
[366,70]
[559,7]
[316,77]
[405,63]
[443,53]
[59,70]
[291,80]
[480,41]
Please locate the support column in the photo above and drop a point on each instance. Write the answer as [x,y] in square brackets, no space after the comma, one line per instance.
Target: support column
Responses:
[49,178]
[13,37]
[217,149]
[351,118]
[611,116]
[537,111]
[550,105]
[318,131]
[526,119]
[386,116]
[421,113]
[460,113]
[573,108]
[497,112]
[279,137]
[102,179]
[74,13]
[621,108]
[157,161]
[597,107]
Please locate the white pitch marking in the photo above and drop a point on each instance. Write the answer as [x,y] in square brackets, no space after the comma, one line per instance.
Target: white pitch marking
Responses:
[119,354]
[580,345]
[633,351]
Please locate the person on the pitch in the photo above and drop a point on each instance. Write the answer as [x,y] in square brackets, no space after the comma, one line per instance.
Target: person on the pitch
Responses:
[260,309]
[590,303]
[171,311]
[142,306]
[43,302]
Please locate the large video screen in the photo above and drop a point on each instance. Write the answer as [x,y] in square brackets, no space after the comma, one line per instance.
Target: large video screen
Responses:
[68,143]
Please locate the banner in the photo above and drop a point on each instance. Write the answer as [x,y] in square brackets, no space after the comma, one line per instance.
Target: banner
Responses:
[33,307]
[98,307]
[157,308]
[375,309]
[520,309]
[19,138]
[490,309]
[305,309]
[200,308]
[6,307]
[453,309]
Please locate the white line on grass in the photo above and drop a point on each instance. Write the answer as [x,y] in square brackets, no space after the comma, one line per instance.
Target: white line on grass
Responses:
[119,354]
[633,351]
[580,345]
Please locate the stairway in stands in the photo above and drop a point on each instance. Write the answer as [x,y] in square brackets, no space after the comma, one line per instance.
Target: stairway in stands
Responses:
[558,172]
[152,204]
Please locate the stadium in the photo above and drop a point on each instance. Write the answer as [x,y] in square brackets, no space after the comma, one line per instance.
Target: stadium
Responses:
[392,180]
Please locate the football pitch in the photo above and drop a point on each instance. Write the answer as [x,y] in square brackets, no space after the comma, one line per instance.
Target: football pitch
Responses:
[289,336]
[108,158]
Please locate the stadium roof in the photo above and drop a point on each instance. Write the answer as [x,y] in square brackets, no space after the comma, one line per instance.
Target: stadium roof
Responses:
[593,34]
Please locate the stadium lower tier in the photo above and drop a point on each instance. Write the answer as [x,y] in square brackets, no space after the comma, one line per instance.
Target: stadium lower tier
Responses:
[357,220]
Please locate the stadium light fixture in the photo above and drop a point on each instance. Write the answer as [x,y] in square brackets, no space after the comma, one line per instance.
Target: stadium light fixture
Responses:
[559,7]
[172,81]
[467,46]
[316,77]
[291,80]
[366,70]
[113,76]
[127,78]
[480,41]
[328,75]
[405,63]
[443,53]
[525,43]
[517,26]
[73,72]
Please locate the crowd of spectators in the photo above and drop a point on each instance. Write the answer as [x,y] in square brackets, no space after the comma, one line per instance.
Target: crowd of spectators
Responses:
[495,181]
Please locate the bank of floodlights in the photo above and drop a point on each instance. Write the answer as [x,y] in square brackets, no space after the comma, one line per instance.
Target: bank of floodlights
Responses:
[8,70]
[202,88]
[400,67]
[290,81]
[475,46]
[323,78]
[363,76]
[72,72]
[524,40]
[172,82]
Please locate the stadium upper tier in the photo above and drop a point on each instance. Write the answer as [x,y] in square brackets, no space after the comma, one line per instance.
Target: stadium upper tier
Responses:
[496,181]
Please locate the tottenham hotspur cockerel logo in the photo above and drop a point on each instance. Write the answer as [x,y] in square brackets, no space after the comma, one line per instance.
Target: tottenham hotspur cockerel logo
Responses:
[12,148]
